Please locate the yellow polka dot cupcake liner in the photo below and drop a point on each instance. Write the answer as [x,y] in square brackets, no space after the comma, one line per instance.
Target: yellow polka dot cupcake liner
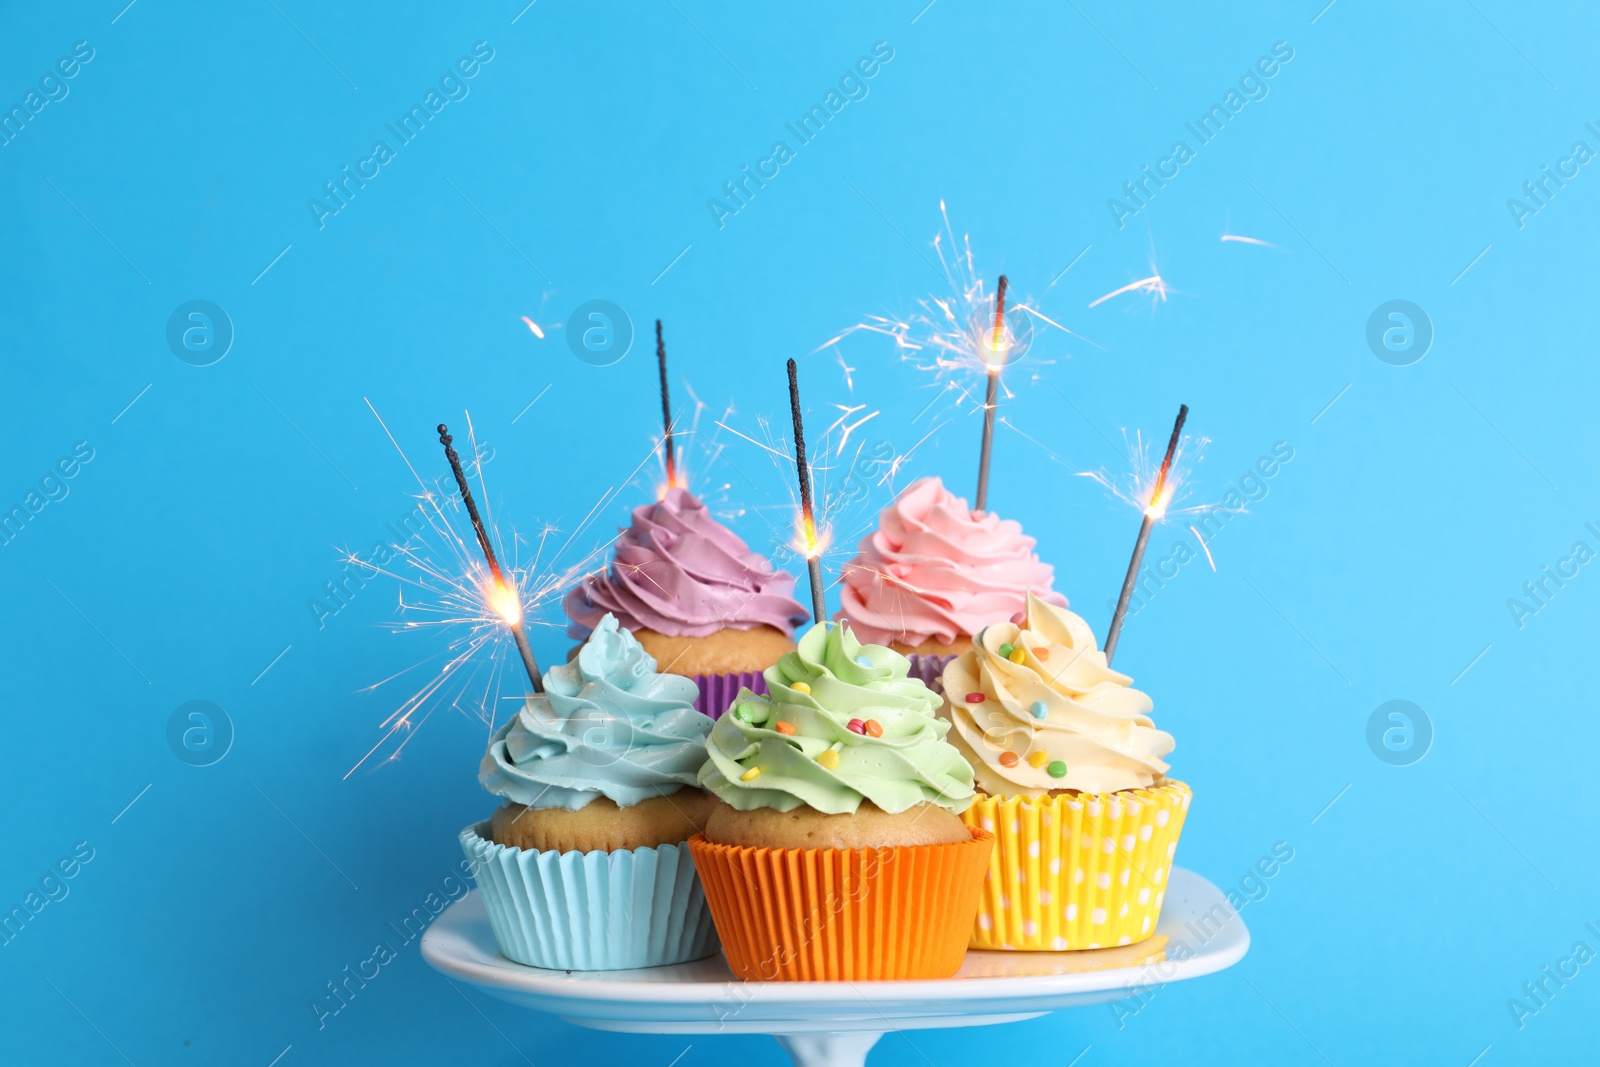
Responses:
[1078,871]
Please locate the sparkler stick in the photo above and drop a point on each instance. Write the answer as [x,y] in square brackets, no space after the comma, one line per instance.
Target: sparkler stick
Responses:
[991,397]
[819,610]
[666,411]
[1153,510]
[506,604]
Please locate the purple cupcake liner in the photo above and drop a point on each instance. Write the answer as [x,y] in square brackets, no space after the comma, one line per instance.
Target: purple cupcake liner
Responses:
[717,691]
[930,669]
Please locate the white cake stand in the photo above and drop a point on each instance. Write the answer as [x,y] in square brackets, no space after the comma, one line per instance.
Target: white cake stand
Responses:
[836,1023]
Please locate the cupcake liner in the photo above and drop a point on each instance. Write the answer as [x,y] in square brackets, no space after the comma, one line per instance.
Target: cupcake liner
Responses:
[717,691]
[591,911]
[930,669]
[830,914]
[1077,871]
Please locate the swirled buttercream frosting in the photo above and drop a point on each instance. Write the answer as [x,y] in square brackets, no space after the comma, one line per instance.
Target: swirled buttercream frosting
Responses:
[842,723]
[936,570]
[1035,708]
[680,572]
[606,725]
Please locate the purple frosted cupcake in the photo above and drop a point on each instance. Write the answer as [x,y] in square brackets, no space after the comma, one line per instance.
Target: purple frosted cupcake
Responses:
[694,595]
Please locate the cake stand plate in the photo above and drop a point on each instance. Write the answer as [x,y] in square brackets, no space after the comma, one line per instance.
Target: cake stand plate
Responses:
[836,1023]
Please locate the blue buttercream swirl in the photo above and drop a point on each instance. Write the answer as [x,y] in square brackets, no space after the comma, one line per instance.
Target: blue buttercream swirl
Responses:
[606,725]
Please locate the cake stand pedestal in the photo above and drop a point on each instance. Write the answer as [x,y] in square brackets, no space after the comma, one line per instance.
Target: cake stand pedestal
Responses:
[837,1023]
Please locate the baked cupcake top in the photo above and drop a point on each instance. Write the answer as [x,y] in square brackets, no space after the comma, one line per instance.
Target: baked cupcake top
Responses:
[935,569]
[1036,709]
[606,725]
[843,723]
[680,572]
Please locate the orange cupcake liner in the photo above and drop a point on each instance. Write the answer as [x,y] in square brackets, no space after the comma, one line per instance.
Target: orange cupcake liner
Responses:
[1082,871]
[831,914]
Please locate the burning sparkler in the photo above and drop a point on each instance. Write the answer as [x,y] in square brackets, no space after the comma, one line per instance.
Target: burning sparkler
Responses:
[668,460]
[500,595]
[811,543]
[1155,507]
[996,360]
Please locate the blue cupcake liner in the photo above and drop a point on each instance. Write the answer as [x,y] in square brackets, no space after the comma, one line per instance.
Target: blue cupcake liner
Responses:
[591,911]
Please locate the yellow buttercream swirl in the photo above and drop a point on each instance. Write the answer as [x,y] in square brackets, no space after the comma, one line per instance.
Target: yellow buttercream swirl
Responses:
[1068,719]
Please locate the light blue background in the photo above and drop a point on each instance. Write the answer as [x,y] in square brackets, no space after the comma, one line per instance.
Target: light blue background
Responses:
[1377,567]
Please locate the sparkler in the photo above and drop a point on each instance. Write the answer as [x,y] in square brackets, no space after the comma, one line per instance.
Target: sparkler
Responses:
[1155,507]
[501,595]
[666,411]
[995,359]
[811,544]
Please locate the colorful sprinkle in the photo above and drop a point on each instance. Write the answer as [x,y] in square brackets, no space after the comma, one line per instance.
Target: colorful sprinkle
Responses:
[1038,759]
[974,698]
[754,714]
[1008,759]
[1041,654]
[874,728]
[856,726]
[752,773]
[864,661]
[1057,769]
[1017,655]
[1020,618]
[1006,650]
[785,728]
[800,687]
[829,758]
[1038,710]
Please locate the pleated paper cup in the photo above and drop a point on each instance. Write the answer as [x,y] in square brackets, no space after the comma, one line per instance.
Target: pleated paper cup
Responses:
[1077,871]
[831,914]
[591,911]
[930,669]
[717,691]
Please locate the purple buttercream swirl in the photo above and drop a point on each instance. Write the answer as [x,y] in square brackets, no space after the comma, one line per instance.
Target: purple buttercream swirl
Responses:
[680,572]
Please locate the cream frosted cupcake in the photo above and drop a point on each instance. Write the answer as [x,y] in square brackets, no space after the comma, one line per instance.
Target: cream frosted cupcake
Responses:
[1072,778]
[934,572]
[695,596]
[837,852]
[585,867]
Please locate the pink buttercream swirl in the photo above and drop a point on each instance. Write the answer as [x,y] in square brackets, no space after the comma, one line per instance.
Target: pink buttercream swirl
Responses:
[936,569]
[680,572]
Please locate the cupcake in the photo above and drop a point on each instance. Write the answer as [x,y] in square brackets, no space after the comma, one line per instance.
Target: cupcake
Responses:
[584,867]
[837,851]
[1071,780]
[694,596]
[934,572]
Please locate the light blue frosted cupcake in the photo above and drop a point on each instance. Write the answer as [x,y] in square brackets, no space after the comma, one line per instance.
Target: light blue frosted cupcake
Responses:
[585,866]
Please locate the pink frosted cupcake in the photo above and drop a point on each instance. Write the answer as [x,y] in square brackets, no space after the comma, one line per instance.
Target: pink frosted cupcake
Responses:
[694,595]
[935,572]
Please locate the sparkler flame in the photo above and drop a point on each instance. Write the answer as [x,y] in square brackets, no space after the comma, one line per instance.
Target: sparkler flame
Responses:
[1138,487]
[501,598]
[809,541]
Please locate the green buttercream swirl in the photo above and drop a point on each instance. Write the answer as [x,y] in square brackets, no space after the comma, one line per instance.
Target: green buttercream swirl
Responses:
[910,764]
